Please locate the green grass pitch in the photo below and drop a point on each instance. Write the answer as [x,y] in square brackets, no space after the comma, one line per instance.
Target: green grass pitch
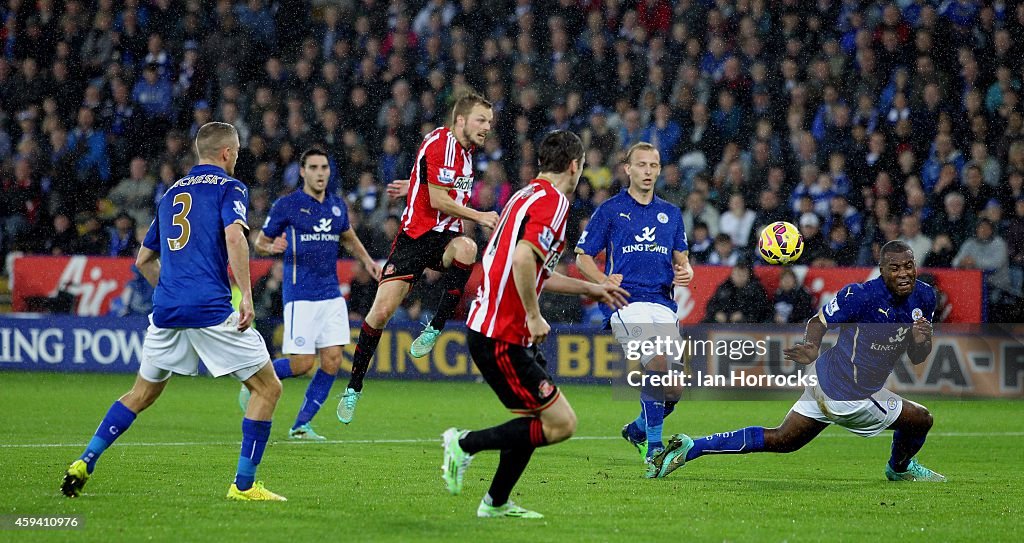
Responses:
[379,478]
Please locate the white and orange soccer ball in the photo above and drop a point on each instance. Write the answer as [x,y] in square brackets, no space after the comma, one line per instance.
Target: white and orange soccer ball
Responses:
[780,243]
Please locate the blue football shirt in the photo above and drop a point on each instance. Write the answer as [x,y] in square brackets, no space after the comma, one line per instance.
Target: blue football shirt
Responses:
[874,333]
[188,233]
[314,230]
[638,241]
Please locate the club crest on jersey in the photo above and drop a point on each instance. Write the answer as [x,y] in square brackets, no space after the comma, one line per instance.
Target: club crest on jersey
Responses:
[336,210]
[545,388]
[917,313]
[240,208]
[662,218]
[892,404]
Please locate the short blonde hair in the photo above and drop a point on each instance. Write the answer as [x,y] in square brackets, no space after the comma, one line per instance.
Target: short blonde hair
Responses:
[641,146]
[212,137]
[465,103]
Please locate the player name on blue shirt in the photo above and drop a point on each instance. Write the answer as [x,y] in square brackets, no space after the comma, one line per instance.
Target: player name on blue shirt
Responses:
[638,241]
[875,331]
[314,230]
[188,233]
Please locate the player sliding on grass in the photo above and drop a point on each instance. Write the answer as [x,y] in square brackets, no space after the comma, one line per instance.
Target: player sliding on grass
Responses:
[200,228]
[431,236]
[879,320]
[306,226]
[505,327]
[644,243]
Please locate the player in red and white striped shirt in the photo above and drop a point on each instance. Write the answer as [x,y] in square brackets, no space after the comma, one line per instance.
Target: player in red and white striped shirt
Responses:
[505,326]
[431,236]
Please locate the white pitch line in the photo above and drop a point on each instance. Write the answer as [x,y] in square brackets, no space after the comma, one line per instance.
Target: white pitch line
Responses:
[417,440]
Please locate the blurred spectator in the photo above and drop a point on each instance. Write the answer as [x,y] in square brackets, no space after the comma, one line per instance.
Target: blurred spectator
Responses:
[738,222]
[122,236]
[697,210]
[93,238]
[952,220]
[792,301]
[910,232]
[134,194]
[63,239]
[843,248]
[941,253]
[986,251]
[700,243]
[741,298]
[816,249]
[723,252]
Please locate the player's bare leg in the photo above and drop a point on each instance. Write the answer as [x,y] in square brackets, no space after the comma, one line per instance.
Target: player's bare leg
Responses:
[909,433]
[390,295]
[266,391]
[459,256]
[143,394]
[118,419]
[318,390]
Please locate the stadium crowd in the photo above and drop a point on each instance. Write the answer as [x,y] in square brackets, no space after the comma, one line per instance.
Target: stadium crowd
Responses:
[859,121]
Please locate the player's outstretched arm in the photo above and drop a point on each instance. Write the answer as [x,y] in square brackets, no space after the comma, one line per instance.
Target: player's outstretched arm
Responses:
[266,246]
[350,241]
[238,259]
[607,292]
[441,201]
[806,351]
[588,267]
[148,263]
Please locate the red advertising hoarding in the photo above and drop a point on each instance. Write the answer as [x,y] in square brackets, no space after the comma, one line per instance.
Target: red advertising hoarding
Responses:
[95,281]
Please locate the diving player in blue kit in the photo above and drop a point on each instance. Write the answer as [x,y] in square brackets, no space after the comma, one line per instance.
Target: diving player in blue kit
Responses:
[879,320]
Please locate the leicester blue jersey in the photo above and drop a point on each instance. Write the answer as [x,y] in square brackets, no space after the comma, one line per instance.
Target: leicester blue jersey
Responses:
[313,230]
[188,233]
[638,241]
[874,333]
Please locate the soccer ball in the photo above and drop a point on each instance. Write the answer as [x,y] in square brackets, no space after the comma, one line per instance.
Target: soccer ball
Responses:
[780,243]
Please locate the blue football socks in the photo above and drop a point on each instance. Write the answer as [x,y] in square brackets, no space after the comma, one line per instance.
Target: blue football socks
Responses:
[316,394]
[255,434]
[747,440]
[115,423]
[283,368]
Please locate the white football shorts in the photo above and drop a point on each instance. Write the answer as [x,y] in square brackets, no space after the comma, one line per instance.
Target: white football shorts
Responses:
[643,321]
[866,418]
[309,326]
[222,348]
